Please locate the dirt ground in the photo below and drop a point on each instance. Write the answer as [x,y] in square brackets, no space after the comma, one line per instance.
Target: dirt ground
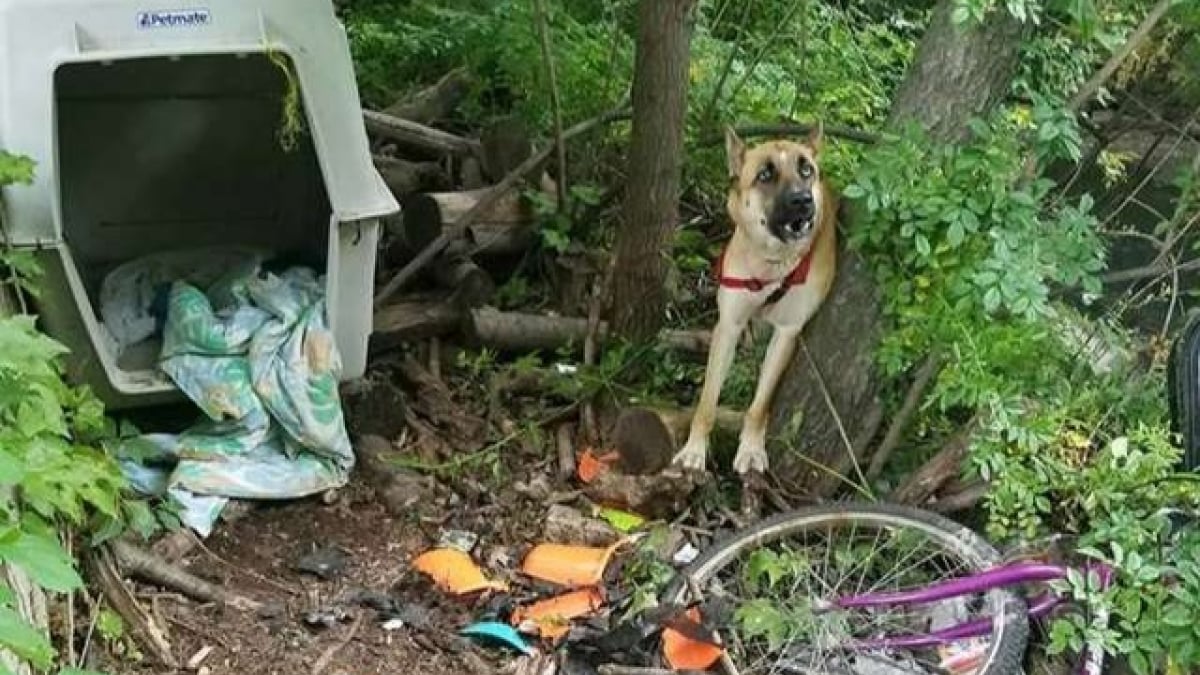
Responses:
[257,555]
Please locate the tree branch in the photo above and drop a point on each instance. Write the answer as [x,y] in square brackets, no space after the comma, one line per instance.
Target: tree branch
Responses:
[499,190]
[1093,85]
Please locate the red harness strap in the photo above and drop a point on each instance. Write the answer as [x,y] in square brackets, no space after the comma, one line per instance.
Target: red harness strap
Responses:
[796,277]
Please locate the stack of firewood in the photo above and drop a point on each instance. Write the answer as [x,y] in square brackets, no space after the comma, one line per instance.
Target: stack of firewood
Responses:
[461,210]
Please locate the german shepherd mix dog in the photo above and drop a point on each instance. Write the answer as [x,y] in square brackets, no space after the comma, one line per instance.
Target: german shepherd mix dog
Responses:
[778,266]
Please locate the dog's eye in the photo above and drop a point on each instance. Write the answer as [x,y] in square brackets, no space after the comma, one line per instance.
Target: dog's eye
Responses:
[806,170]
[765,174]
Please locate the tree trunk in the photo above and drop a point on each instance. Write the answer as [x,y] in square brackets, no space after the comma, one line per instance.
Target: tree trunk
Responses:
[957,74]
[655,159]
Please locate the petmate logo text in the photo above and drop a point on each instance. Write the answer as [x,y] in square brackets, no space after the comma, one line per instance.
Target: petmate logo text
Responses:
[175,18]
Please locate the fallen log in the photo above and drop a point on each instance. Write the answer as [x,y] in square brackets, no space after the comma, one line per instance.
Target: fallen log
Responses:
[515,331]
[434,102]
[404,177]
[504,144]
[412,321]
[418,137]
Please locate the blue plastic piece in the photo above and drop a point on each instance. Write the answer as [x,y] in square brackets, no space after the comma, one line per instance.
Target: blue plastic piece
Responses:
[494,631]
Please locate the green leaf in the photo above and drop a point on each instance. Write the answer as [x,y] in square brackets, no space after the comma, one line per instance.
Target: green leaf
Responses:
[955,234]
[24,640]
[854,191]
[79,671]
[922,244]
[43,559]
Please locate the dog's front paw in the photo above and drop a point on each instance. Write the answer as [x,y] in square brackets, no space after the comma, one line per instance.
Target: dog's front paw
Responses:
[750,457]
[693,456]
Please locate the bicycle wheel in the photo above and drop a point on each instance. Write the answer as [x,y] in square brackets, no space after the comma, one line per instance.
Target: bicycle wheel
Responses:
[774,580]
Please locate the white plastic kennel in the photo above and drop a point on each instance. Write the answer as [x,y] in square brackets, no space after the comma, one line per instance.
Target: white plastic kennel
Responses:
[156,127]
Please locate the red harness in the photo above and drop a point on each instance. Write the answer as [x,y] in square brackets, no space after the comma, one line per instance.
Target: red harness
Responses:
[796,277]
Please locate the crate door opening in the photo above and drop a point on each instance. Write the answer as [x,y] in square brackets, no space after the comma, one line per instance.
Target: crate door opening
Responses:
[188,162]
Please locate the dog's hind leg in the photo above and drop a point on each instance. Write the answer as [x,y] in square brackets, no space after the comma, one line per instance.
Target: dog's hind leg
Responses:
[752,445]
[720,359]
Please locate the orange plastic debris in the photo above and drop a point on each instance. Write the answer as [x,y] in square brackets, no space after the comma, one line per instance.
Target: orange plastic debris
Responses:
[591,465]
[684,653]
[551,616]
[454,571]
[568,565]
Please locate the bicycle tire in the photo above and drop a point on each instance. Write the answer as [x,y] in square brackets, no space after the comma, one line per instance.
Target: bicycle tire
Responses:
[1008,648]
[1183,386]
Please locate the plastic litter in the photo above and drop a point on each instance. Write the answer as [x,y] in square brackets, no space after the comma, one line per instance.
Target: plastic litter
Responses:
[550,618]
[685,555]
[623,521]
[685,653]
[591,465]
[497,633]
[567,565]
[455,572]
[460,539]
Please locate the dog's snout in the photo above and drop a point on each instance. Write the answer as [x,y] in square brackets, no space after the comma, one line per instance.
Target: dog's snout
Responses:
[800,198]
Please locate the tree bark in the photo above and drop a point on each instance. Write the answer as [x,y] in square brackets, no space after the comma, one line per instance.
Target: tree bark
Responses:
[435,102]
[655,160]
[957,74]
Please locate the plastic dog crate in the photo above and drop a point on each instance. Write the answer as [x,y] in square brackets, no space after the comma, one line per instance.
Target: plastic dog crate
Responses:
[157,128]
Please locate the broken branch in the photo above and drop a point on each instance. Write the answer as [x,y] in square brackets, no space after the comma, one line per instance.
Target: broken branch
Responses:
[418,137]
[912,400]
[515,331]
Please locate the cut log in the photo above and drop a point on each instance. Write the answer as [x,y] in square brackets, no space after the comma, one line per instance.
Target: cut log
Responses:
[647,438]
[434,102]
[515,331]
[471,286]
[418,138]
[412,321]
[428,215]
[404,177]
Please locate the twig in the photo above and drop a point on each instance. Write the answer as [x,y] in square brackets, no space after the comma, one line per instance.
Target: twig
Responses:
[1147,271]
[486,202]
[70,546]
[332,651]
[709,111]
[555,104]
[837,418]
[1136,38]
[912,400]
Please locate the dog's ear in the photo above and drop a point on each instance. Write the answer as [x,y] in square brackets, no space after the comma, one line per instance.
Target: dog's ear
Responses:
[816,137]
[735,151]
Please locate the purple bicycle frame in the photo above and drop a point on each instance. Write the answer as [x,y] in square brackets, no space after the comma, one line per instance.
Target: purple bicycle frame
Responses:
[979,582]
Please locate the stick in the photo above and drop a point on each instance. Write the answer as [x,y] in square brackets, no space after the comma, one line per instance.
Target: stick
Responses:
[145,631]
[912,400]
[140,563]
[503,187]
[943,466]
[1136,38]
[566,451]
[333,649]
[555,104]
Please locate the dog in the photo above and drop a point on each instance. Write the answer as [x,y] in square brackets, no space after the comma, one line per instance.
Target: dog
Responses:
[778,266]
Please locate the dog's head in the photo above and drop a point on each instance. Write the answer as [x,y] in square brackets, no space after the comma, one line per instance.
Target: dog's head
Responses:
[775,189]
